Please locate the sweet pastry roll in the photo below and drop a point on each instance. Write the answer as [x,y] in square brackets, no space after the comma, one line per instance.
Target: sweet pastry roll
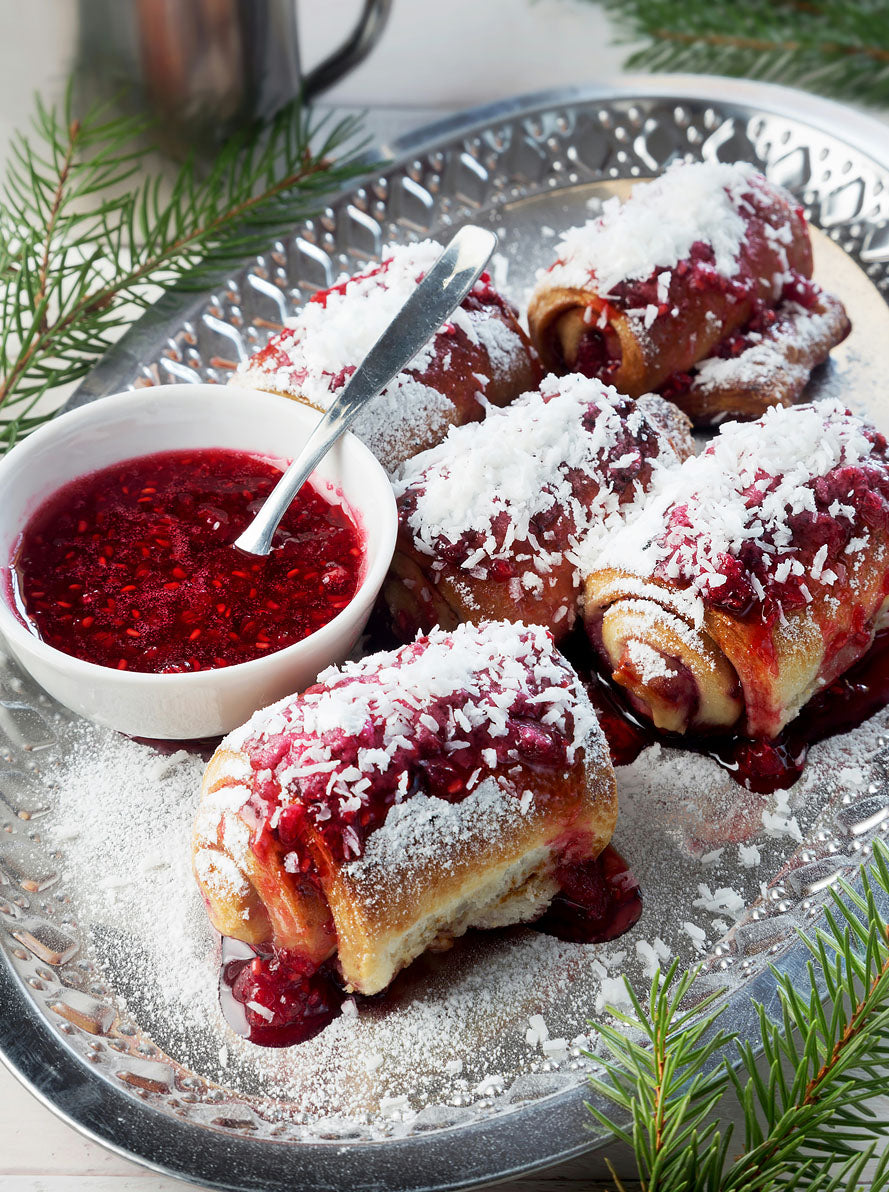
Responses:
[492,519]
[756,576]
[704,262]
[404,799]
[480,357]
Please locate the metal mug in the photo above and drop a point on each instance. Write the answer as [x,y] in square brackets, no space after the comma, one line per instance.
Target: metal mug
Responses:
[206,68]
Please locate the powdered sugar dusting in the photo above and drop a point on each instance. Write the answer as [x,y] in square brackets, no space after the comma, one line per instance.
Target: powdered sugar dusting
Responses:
[649,663]
[425,830]
[124,817]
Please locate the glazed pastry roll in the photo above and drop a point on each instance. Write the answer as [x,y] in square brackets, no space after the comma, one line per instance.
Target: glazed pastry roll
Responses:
[758,574]
[404,799]
[702,254]
[492,519]
[480,357]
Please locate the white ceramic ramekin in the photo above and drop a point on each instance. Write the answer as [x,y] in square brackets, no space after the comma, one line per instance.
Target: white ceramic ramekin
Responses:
[168,418]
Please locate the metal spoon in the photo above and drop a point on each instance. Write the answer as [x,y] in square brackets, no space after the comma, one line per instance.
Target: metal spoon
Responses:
[439,293]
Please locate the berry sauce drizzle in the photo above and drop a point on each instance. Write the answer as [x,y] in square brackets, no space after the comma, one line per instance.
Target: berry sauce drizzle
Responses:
[133,567]
[762,766]
[599,901]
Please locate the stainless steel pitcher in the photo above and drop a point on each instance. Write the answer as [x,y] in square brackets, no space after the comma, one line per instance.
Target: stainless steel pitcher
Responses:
[204,68]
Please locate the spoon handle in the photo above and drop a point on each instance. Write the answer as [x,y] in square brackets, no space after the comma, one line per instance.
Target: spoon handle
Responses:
[436,297]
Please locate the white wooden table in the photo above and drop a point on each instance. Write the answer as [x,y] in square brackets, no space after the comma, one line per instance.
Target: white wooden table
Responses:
[474,51]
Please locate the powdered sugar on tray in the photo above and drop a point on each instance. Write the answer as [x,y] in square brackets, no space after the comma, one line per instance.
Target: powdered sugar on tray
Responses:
[452,1038]
[123,821]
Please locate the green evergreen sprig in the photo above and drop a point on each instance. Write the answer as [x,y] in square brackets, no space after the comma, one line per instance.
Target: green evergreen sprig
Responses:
[91,232]
[808,1119]
[834,47]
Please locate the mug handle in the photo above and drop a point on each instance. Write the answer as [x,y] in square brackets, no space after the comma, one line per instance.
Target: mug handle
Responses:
[362,40]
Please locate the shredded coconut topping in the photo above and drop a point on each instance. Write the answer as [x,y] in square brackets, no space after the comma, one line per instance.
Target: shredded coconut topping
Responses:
[436,717]
[534,481]
[706,202]
[770,511]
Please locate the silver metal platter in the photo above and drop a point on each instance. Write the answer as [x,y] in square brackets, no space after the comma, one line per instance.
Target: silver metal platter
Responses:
[446,1087]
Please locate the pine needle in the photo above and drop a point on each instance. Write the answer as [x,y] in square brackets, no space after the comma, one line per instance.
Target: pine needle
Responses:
[90,234]
[833,47]
[808,1119]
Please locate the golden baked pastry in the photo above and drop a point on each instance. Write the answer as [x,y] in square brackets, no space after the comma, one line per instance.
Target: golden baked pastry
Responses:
[699,287]
[758,574]
[404,799]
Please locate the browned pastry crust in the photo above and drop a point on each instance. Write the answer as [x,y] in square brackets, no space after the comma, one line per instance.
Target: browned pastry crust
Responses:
[433,867]
[448,579]
[419,598]
[730,673]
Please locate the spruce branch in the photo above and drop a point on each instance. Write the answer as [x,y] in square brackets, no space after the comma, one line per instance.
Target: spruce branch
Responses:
[808,1118]
[830,46]
[666,1083]
[90,233]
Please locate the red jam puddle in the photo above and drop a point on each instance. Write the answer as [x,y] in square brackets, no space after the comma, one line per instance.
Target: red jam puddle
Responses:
[761,766]
[599,901]
[277,998]
[133,567]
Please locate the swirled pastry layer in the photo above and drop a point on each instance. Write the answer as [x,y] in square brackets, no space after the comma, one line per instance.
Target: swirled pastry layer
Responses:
[756,576]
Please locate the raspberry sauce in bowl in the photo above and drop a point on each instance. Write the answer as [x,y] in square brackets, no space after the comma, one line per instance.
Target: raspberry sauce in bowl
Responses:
[133,566]
[163,639]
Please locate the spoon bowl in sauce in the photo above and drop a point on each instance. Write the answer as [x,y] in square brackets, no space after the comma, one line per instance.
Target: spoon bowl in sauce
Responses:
[120,589]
